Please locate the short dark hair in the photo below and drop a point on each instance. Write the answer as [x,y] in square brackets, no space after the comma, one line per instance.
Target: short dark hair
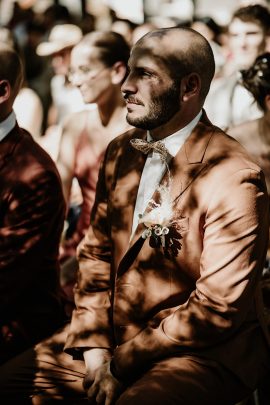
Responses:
[112,46]
[11,67]
[197,58]
[255,13]
[256,79]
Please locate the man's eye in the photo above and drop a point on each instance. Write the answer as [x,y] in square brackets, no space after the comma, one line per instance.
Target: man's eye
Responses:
[145,73]
[85,69]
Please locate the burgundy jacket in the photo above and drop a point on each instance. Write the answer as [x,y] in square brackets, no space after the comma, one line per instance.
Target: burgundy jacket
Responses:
[32,212]
[205,299]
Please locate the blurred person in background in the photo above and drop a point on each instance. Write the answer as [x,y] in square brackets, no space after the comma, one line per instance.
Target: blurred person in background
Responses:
[124,27]
[141,30]
[98,67]
[65,98]
[254,135]
[27,105]
[212,32]
[228,102]
[32,212]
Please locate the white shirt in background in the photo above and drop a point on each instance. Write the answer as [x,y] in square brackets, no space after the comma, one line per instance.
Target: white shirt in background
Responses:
[7,125]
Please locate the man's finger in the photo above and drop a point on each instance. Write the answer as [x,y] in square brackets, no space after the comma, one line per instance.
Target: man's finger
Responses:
[92,392]
[100,398]
[87,382]
[109,400]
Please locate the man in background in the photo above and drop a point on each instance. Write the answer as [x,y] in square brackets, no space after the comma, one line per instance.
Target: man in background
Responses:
[32,212]
[65,97]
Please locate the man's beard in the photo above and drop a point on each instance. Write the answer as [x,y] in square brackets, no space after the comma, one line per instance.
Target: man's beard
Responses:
[161,110]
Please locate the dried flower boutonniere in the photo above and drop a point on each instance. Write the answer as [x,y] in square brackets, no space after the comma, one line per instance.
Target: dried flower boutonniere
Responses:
[161,228]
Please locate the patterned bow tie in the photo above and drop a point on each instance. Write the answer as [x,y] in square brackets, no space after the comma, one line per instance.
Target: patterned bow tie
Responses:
[146,147]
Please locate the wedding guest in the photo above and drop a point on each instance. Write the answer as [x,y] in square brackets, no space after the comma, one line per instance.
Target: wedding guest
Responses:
[27,104]
[208,27]
[65,98]
[31,221]
[254,135]
[98,67]
[168,304]
[228,102]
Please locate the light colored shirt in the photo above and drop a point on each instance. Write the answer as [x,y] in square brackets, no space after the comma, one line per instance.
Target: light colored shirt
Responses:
[7,125]
[67,99]
[154,168]
[29,111]
[228,103]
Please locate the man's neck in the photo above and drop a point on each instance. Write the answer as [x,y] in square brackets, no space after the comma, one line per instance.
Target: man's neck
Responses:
[178,122]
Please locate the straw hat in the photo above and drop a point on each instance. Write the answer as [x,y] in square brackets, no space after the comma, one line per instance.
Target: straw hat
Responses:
[61,36]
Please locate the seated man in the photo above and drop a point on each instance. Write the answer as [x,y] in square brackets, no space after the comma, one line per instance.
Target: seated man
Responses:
[168,304]
[31,220]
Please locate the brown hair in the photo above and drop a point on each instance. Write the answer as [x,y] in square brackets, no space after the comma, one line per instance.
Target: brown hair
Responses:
[11,68]
[112,46]
[255,13]
[256,79]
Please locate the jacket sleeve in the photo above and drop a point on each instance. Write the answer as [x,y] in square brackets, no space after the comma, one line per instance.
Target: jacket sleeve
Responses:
[30,230]
[90,325]
[234,241]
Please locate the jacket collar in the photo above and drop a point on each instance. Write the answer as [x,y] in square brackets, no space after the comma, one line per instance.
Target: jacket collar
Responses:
[8,144]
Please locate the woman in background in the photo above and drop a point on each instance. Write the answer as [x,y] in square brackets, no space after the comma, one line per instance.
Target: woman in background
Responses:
[254,135]
[98,68]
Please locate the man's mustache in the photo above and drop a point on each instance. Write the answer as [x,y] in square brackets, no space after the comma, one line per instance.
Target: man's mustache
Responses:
[132,100]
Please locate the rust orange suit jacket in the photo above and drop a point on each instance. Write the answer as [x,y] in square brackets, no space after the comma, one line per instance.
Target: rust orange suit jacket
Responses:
[206,300]
[32,212]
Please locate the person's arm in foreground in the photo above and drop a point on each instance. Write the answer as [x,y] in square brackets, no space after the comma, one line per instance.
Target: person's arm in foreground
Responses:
[32,210]
[91,328]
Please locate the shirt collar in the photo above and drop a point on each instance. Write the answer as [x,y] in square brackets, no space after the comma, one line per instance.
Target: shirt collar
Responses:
[7,125]
[176,140]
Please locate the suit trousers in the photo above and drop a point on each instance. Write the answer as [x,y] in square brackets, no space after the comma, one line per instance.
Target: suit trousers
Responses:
[47,375]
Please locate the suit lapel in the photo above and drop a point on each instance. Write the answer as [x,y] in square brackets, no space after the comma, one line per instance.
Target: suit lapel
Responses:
[185,167]
[128,180]
[190,159]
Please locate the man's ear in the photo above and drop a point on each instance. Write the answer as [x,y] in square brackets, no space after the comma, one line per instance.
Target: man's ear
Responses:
[119,71]
[190,86]
[267,102]
[5,91]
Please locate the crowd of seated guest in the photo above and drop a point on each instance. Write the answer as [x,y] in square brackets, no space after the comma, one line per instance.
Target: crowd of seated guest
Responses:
[69,99]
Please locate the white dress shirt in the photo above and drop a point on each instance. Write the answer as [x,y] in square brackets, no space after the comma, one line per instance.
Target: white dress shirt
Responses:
[154,168]
[7,125]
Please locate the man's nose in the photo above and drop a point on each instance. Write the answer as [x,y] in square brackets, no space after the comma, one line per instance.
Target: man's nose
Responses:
[75,79]
[242,40]
[128,86]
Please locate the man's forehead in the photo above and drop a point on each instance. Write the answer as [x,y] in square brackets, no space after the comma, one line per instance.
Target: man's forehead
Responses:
[158,46]
[168,39]
[147,56]
[239,26]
